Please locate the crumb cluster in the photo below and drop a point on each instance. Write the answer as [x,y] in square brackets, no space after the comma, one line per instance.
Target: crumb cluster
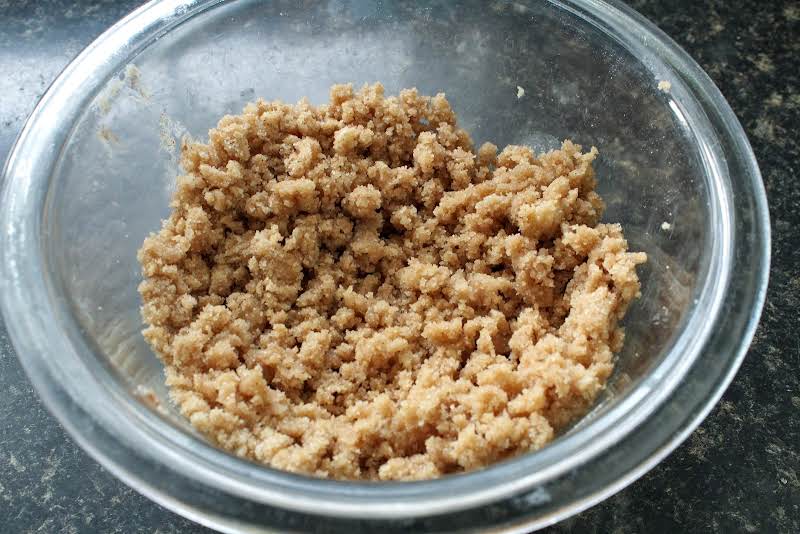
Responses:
[350,291]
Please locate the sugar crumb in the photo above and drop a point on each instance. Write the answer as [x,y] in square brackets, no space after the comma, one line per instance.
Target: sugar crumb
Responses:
[354,291]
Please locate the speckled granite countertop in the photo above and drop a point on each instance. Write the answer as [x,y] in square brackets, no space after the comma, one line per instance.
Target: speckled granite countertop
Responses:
[739,472]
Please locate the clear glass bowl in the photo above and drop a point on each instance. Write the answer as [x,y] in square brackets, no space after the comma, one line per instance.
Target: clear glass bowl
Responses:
[92,172]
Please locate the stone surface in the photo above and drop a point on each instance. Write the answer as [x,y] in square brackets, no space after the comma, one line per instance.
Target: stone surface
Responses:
[739,472]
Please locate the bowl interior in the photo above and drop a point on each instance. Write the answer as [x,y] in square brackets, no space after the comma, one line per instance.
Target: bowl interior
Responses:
[115,175]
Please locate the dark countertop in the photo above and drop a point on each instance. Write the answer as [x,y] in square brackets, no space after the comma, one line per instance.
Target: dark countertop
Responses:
[739,472]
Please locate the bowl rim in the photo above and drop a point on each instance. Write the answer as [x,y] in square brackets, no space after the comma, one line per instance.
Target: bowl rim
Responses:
[24,285]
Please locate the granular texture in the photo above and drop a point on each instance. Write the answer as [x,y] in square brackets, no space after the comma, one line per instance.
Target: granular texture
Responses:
[351,291]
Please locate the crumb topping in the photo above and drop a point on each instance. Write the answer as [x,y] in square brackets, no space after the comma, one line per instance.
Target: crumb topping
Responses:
[351,291]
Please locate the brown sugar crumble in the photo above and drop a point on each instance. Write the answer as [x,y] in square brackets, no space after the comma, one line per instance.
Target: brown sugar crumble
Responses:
[350,291]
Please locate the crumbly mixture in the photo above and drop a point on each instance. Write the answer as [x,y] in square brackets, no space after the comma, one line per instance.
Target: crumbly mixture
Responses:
[350,291]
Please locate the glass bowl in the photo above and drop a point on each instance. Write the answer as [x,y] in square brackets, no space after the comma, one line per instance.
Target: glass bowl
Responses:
[93,169]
